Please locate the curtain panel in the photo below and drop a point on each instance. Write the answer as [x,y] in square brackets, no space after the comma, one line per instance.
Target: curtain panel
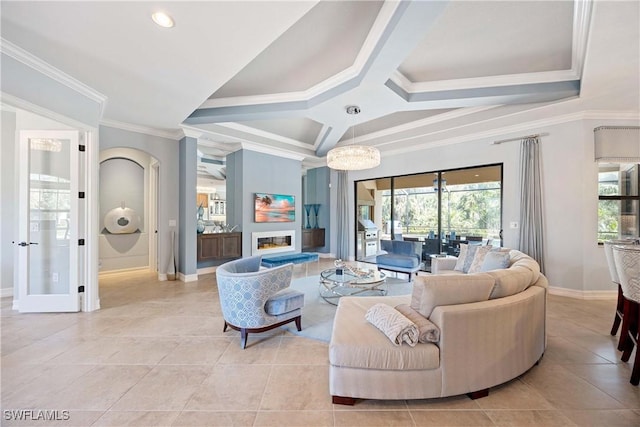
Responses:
[531,209]
[342,217]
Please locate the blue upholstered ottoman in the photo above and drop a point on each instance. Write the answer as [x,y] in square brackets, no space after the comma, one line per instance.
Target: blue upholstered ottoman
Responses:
[299,258]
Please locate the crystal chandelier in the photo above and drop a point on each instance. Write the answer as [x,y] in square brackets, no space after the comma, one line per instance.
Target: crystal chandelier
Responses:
[353,157]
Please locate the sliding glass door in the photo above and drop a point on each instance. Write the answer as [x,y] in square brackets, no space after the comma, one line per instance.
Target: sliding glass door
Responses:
[440,209]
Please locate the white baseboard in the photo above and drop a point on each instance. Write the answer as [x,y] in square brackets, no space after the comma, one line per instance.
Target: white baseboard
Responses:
[586,295]
[6,292]
[124,270]
[207,270]
[162,277]
[96,305]
[187,277]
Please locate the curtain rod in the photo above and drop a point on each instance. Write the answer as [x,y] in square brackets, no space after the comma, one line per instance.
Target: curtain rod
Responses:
[535,135]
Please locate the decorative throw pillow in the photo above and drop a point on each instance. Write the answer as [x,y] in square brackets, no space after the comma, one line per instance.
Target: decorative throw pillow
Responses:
[471,253]
[495,260]
[462,256]
[478,259]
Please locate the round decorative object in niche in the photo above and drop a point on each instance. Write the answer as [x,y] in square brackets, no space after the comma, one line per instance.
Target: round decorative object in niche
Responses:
[122,220]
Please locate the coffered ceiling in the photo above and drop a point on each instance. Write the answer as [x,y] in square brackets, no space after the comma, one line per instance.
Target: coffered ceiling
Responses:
[402,63]
[276,76]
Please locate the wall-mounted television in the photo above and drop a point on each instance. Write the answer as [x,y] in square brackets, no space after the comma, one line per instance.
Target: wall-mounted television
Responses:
[275,208]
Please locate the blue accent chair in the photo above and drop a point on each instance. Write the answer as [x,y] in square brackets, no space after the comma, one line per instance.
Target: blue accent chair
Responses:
[402,256]
[255,299]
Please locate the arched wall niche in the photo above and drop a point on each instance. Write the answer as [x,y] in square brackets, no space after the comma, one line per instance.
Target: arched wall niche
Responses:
[127,176]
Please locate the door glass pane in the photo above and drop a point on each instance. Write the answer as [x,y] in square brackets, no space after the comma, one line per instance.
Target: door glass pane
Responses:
[416,206]
[383,207]
[49,216]
[619,204]
[471,208]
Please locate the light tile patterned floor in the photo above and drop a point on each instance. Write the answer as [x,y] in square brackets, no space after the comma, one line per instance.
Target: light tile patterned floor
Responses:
[155,355]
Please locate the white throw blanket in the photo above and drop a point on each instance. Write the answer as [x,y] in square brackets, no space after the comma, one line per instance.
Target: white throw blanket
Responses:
[394,325]
[427,330]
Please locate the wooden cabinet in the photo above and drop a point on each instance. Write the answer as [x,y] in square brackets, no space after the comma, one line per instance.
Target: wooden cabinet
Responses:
[216,246]
[202,199]
[312,238]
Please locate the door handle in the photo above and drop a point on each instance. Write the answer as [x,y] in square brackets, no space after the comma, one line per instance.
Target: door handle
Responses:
[26,244]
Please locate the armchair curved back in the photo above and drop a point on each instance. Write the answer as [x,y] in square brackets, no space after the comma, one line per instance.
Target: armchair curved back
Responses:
[608,253]
[244,289]
[627,259]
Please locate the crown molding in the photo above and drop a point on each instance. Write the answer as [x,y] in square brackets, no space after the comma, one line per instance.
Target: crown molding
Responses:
[41,111]
[251,146]
[264,134]
[187,131]
[611,115]
[581,29]
[505,130]
[482,82]
[579,40]
[459,112]
[376,35]
[32,61]
[142,129]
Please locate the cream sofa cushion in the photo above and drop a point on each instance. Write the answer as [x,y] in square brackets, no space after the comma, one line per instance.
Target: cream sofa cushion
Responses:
[432,291]
[355,343]
[522,273]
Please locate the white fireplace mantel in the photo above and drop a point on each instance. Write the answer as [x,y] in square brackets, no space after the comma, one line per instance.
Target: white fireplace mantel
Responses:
[256,235]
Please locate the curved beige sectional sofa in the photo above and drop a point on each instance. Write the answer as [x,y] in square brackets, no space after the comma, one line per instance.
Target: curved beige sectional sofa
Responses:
[492,329]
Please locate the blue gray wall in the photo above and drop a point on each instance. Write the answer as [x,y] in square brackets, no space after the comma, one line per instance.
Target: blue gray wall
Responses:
[188,181]
[166,151]
[250,172]
[317,190]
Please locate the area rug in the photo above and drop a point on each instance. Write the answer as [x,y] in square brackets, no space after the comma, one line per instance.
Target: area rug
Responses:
[317,314]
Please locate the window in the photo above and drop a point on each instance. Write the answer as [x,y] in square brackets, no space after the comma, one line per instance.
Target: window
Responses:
[618,201]
[50,201]
[440,209]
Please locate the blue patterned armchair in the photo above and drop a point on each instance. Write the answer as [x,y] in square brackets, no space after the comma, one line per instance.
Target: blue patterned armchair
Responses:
[257,300]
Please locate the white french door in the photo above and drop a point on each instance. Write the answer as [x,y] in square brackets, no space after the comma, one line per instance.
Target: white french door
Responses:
[49,221]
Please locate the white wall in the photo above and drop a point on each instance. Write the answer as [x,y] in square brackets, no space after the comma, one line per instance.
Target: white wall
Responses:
[8,202]
[574,261]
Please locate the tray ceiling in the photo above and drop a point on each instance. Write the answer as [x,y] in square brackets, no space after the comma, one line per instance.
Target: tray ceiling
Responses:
[279,74]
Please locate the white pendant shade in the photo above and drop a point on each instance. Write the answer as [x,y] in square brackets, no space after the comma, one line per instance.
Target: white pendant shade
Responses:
[617,144]
[353,157]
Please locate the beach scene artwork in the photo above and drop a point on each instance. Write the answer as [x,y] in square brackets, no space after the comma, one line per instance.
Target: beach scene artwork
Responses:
[275,208]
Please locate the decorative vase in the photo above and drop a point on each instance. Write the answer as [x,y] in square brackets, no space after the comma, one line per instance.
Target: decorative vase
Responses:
[200,222]
[307,209]
[316,209]
[121,220]
[171,266]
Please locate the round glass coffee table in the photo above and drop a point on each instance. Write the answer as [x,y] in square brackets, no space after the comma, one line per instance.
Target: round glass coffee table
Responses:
[361,282]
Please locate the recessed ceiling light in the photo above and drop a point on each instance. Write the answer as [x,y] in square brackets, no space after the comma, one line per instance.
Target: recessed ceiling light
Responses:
[162,19]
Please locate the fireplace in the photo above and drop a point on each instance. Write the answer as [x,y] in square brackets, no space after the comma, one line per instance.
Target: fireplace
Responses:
[269,242]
